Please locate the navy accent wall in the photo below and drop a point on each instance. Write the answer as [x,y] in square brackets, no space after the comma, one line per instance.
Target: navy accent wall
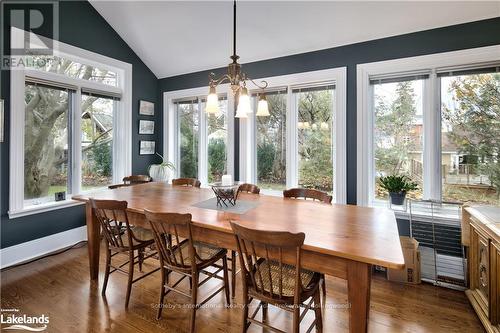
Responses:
[457,37]
[82,26]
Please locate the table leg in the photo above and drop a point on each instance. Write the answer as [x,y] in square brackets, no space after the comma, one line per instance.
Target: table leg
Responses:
[94,240]
[358,286]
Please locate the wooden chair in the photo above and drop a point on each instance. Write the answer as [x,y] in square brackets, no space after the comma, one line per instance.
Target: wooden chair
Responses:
[121,238]
[132,180]
[314,195]
[186,257]
[266,277]
[186,182]
[307,193]
[249,188]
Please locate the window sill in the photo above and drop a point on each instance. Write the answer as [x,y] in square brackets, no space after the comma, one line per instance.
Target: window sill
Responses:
[46,207]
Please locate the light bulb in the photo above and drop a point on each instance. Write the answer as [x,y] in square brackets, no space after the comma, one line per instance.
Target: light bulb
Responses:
[212,106]
[262,107]
[243,104]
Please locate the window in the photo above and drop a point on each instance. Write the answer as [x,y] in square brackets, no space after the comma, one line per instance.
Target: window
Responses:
[46,142]
[315,147]
[470,136]
[434,118]
[397,134]
[188,114]
[271,142]
[201,144]
[67,118]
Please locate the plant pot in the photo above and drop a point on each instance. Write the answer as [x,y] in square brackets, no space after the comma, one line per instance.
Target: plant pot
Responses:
[397,198]
[159,173]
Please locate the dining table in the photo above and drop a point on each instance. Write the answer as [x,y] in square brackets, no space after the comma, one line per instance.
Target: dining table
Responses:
[343,241]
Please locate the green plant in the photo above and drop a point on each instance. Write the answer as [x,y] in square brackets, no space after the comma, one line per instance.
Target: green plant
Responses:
[164,163]
[397,184]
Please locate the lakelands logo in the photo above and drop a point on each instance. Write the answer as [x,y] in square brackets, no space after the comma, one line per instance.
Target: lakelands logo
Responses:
[16,321]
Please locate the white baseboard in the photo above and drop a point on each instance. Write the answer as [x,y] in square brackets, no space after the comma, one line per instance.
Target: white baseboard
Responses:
[36,248]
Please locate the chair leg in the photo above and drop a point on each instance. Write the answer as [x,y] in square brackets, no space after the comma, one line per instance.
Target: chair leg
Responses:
[106,273]
[245,312]
[233,273]
[164,277]
[194,300]
[296,319]
[130,277]
[140,257]
[317,312]
[264,311]
[226,281]
[323,285]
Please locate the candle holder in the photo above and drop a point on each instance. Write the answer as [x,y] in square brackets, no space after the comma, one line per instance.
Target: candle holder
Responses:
[226,194]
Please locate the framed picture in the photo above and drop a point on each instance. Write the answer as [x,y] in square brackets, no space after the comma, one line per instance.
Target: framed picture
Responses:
[146,127]
[1,120]
[146,108]
[147,147]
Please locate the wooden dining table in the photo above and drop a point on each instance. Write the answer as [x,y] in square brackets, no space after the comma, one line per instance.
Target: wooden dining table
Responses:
[341,240]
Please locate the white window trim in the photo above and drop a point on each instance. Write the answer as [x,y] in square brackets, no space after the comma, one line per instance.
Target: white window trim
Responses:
[365,145]
[247,129]
[170,133]
[122,153]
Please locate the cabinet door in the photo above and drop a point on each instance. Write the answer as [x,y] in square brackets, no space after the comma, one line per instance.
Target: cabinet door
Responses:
[495,284]
[480,268]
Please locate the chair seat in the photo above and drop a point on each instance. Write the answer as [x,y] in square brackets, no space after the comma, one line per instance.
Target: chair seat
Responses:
[308,278]
[142,233]
[204,253]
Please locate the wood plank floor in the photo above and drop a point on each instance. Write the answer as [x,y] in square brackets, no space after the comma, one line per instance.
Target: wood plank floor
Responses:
[59,287]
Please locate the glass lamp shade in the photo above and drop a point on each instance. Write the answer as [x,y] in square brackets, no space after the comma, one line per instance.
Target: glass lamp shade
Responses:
[262,107]
[243,104]
[212,106]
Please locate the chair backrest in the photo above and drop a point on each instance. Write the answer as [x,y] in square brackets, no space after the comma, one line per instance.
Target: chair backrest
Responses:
[166,228]
[112,216]
[307,193]
[249,188]
[137,179]
[186,182]
[255,246]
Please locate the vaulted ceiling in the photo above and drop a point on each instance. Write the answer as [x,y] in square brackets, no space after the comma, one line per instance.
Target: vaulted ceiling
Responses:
[187,36]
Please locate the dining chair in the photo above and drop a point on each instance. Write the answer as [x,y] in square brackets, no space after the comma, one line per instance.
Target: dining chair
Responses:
[315,195]
[122,238]
[268,278]
[307,193]
[132,180]
[187,258]
[186,182]
[249,188]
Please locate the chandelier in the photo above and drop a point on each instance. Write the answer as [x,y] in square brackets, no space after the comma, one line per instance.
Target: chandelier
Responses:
[238,81]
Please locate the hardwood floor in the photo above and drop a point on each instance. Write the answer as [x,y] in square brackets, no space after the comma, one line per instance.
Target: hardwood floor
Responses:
[59,287]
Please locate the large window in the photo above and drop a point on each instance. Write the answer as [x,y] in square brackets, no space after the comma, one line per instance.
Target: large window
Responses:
[66,116]
[202,139]
[470,137]
[271,142]
[398,131]
[435,119]
[315,147]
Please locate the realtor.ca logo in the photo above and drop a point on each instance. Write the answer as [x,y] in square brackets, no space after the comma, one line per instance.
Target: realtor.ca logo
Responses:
[12,319]
[32,29]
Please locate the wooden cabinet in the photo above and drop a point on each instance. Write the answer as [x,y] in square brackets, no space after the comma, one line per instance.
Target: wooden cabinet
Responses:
[482,226]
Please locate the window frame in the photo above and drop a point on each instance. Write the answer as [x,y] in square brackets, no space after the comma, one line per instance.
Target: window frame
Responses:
[122,125]
[171,148]
[431,118]
[247,145]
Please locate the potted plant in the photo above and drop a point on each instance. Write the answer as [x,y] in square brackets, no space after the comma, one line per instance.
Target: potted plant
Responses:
[161,172]
[397,186]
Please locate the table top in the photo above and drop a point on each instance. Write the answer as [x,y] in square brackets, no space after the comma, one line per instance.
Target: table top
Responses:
[362,234]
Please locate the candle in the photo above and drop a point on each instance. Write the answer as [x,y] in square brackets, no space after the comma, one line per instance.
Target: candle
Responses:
[226,180]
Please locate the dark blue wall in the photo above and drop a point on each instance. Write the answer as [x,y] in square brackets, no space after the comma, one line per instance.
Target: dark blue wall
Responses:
[82,26]
[457,37]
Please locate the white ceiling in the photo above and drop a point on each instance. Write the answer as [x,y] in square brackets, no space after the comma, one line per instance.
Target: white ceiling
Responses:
[186,36]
